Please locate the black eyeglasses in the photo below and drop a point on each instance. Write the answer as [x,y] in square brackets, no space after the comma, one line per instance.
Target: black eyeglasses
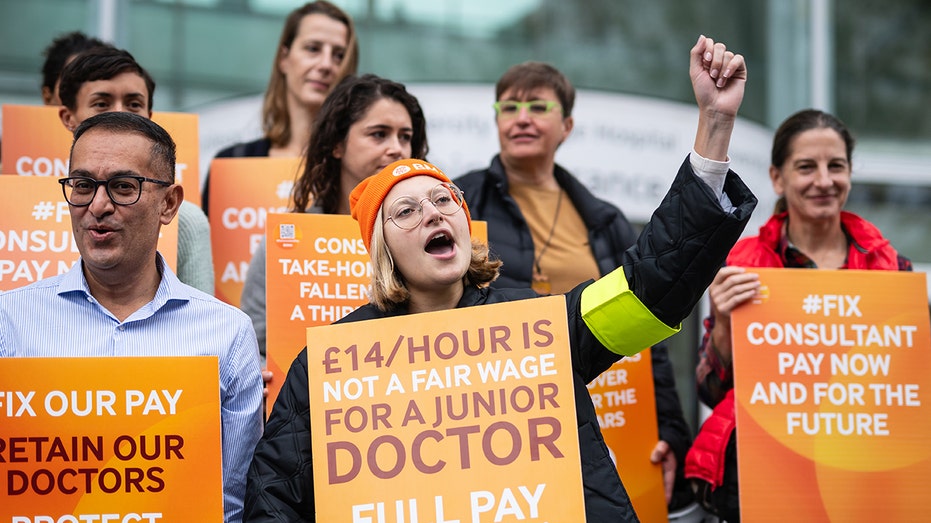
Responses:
[407,212]
[123,189]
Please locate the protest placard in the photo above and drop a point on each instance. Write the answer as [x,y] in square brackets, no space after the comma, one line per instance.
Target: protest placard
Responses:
[243,192]
[465,414]
[831,371]
[626,408]
[317,271]
[110,439]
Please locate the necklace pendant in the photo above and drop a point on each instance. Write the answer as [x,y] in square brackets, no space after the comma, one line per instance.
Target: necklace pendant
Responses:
[541,284]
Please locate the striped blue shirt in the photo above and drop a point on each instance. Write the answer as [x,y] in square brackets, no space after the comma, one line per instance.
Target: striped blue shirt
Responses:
[58,317]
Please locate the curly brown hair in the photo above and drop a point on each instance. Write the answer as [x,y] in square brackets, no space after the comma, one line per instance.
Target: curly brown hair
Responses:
[350,100]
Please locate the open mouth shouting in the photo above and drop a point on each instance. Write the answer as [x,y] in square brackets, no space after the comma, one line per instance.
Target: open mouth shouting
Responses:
[441,244]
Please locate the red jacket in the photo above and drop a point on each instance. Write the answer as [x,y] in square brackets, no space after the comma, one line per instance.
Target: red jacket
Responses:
[868,250]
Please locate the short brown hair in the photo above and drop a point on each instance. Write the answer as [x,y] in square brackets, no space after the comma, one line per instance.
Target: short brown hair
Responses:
[525,77]
[100,63]
[163,152]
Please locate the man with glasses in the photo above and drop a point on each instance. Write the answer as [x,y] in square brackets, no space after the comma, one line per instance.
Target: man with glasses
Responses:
[552,233]
[121,299]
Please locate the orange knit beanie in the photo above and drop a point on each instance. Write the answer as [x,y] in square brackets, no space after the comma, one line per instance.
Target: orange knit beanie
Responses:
[367,197]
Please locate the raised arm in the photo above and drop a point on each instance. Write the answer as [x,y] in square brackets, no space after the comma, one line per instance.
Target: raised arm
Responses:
[689,235]
[718,80]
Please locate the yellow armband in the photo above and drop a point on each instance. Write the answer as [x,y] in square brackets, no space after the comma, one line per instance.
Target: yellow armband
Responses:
[619,320]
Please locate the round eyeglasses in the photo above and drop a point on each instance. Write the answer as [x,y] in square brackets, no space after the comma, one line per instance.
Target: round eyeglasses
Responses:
[124,189]
[407,212]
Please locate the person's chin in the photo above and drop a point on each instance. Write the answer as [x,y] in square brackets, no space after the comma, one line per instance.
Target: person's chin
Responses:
[524,152]
[824,213]
[99,261]
[314,98]
[450,272]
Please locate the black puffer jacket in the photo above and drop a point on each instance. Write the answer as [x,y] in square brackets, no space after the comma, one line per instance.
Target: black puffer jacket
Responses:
[609,235]
[674,260]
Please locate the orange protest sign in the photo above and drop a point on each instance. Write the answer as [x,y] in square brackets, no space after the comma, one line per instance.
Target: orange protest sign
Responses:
[243,192]
[830,372]
[317,271]
[184,131]
[465,414]
[36,240]
[130,439]
[36,143]
[626,408]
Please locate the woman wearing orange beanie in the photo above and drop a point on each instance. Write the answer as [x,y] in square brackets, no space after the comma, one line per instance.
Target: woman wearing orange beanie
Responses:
[424,260]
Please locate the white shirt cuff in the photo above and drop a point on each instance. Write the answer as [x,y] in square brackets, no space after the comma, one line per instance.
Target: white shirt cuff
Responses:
[713,173]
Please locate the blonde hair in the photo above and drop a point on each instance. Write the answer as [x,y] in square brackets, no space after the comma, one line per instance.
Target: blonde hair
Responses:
[388,288]
[276,121]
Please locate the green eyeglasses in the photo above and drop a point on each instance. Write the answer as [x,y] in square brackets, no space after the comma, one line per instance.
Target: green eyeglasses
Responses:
[511,109]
